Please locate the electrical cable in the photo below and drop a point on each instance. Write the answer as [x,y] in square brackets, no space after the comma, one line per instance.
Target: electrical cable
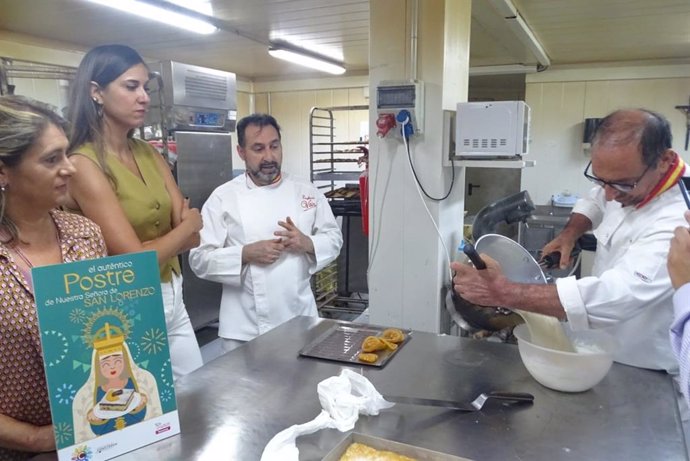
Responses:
[414,173]
[419,189]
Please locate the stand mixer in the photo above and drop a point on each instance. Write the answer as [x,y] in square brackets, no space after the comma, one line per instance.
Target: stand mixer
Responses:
[512,209]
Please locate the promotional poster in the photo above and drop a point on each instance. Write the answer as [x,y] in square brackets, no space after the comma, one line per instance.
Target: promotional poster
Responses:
[106,355]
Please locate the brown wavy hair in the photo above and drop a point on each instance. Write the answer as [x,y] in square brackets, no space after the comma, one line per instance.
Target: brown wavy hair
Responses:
[22,123]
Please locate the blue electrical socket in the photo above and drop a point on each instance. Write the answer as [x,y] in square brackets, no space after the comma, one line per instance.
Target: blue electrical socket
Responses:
[405,119]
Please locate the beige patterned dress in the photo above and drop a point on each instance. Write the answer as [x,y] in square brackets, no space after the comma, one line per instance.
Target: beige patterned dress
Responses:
[23,393]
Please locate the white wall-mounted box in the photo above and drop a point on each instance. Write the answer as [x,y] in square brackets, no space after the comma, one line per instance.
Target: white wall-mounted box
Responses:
[492,129]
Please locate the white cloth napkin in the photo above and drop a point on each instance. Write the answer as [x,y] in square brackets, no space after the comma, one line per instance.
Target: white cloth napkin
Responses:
[343,398]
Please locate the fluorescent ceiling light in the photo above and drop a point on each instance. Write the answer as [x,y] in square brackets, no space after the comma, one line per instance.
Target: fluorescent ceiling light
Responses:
[526,36]
[304,57]
[502,70]
[521,29]
[158,13]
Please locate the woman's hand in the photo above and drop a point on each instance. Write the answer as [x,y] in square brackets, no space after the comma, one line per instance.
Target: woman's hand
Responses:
[22,436]
[679,256]
[191,218]
[45,438]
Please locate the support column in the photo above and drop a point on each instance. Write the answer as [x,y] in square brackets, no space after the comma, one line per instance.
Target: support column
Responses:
[408,268]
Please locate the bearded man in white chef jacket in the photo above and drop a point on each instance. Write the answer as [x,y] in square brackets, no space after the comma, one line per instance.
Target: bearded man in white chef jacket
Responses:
[633,211]
[265,233]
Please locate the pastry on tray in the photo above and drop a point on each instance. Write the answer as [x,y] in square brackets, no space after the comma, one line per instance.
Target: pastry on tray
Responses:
[361,452]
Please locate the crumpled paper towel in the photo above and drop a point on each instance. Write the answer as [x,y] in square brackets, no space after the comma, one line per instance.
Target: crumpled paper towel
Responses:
[343,398]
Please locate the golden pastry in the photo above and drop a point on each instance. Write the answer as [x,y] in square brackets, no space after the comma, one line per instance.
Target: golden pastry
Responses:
[394,335]
[389,344]
[373,344]
[360,452]
[368,357]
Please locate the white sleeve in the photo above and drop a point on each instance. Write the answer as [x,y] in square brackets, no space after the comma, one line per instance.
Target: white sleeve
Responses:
[592,206]
[680,337]
[622,291]
[212,259]
[326,235]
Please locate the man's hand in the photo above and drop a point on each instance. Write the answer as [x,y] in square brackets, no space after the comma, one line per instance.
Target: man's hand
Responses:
[293,239]
[263,252]
[562,244]
[482,287]
[679,256]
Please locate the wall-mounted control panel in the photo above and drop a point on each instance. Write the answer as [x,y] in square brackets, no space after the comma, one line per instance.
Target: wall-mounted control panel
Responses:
[396,102]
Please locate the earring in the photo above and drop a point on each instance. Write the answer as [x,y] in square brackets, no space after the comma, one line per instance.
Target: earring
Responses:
[99,108]
[3,187]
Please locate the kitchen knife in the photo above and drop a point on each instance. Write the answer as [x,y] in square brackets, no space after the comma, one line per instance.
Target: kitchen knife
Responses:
[475,405]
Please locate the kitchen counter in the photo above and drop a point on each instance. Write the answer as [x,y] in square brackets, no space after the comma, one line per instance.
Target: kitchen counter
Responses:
[231,407]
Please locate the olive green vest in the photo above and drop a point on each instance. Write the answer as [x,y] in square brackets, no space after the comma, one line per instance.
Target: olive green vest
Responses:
[147,204]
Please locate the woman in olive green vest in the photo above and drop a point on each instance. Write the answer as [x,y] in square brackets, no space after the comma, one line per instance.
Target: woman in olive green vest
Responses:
[125,186]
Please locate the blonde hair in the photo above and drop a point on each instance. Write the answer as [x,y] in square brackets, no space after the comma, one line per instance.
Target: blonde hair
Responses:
[22,122]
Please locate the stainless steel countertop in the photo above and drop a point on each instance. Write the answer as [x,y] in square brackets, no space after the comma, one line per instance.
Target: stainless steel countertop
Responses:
[231,407]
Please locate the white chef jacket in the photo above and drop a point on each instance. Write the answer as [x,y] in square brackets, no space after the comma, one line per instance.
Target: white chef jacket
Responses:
[257,298]
[629,293]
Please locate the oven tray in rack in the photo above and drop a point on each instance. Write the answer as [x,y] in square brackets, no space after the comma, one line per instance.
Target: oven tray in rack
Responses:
[343,343]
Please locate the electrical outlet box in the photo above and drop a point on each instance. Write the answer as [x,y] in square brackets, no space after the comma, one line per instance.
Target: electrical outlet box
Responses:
[393,96]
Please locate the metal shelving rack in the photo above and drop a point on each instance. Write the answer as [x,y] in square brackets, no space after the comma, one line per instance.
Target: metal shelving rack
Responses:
[327,153]
[335,171]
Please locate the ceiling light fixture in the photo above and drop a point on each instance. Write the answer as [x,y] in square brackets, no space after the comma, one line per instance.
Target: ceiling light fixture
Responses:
[174,16]
[507,69]
[296,55]
[522,30]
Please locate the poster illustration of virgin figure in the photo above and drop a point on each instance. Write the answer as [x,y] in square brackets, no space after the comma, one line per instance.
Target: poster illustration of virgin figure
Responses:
[117,393]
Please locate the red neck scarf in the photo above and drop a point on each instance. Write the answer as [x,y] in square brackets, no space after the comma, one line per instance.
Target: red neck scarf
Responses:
[674,173]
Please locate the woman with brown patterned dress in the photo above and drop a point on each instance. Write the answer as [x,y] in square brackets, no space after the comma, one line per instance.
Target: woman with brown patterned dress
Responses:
[34,172]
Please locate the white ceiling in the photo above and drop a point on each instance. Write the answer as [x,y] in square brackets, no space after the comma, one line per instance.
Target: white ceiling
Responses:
[570,31]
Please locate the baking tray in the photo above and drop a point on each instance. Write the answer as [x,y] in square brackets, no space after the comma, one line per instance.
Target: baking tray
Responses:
[343,343]
[411,451]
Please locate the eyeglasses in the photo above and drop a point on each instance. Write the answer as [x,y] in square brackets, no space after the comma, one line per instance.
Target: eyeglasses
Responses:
[619,186]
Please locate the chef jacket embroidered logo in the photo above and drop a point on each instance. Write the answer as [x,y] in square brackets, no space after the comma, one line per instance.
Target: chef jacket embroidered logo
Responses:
[308,202]
[642,277]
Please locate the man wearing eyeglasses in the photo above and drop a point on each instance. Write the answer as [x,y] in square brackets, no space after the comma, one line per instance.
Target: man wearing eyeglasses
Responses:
[632,211]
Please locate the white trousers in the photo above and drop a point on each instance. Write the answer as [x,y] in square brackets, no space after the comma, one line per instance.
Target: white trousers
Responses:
[185,355]
[228,344]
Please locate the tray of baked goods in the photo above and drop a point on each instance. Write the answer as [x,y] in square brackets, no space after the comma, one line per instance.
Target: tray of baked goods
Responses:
[358,343]
[362,447]
[347,192]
